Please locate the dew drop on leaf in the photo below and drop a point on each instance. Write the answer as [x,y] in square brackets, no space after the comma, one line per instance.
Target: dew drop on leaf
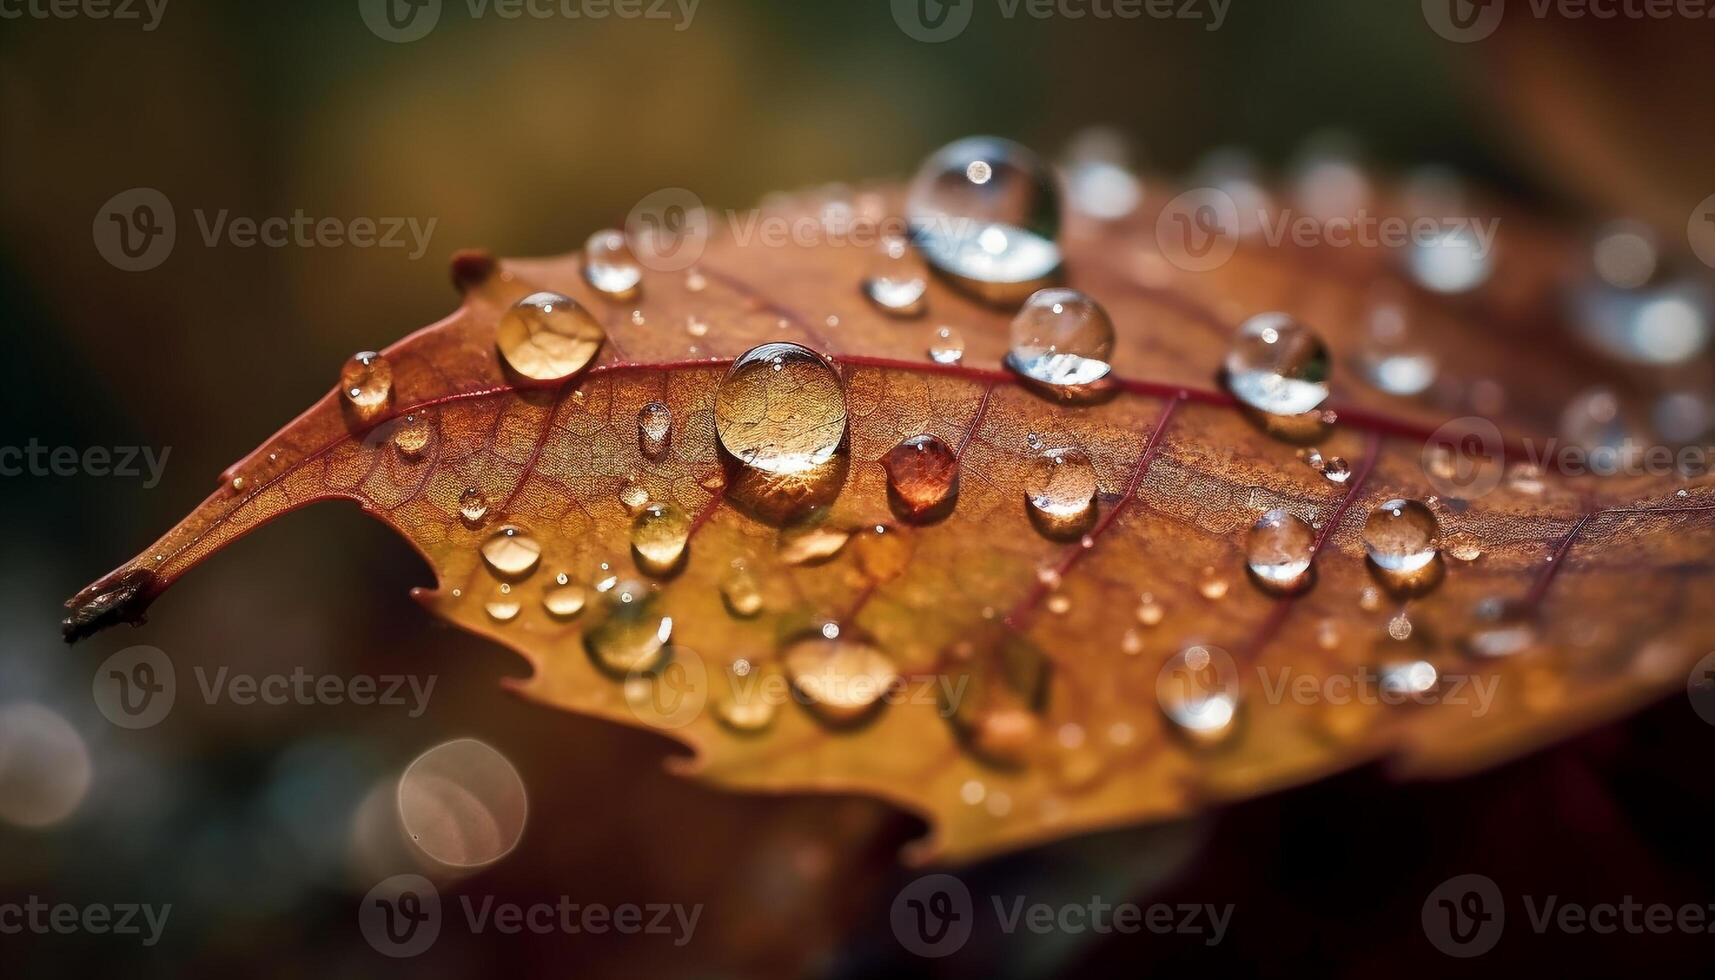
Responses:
[411,436]
[1501,628]
[809,544]
[1336,469]
[922,477]
[654,428]
[503,606]
[632,635]
[659,536]
[473,505]
[740,593]
[946,345]
[1060,488]
[1453,260]
[1278,550]
[1198,692]
[511,552]
[633,497]
[1278,366]
[781,409]
[563,598]
[366,385]
[548,337]
[1400,537]
[986,212]
[1061,338]
[897,278]
[1393,359]
[841,679]
[610,267]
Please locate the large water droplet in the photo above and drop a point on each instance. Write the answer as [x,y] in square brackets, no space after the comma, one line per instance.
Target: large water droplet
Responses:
[897,278]
[1401,539]
[781,409]
[632,636]
[1391,358]
[1502,627]
[1278,550]
[659,537]
[1061,337]
[1061,491]
[986,212]
[564,598]
[366,385]
[548,337]
[1278,366]
[1198,691]
[654,428]
[840,678]
[610,266]
[511,553]
[922,477]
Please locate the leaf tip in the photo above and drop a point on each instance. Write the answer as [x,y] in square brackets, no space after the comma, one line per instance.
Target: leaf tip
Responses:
[118,598]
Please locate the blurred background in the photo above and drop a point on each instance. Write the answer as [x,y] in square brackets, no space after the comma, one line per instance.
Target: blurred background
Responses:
[259,823]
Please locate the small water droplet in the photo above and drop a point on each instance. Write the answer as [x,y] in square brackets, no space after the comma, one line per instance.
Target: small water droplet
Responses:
[548,337]
[1401,539]
[1503,627]
[633,497]
[922,477]
[1464,547]
[237,484]
[1625,255]
[740,592]
[1370,599]
[695,281]
[946,346]
[1149,611]
[1131,642]
[1198,692]
[1336,469]
[883,552]
[610,266]
[659,537]
[1452,260]
[1061,490]
[897,278]
[1278,550]
[808,544]
[1393,359]
[511,552]
[1061,338]
[366,385]
[1399,627]
[986,212]
[1212,585]
[473,506]
[696,326]
[632,636]
[781,409]
[841,680]
[654,428]
[411,436]
[745,705]
[1098,175]
[503,606]
[563,598]
[1278,366]
[1059,604]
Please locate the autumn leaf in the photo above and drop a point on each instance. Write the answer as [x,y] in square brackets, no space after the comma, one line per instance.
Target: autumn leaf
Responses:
[1027,680]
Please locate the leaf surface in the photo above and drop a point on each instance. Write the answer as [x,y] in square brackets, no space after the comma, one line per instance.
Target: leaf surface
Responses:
[1057,645]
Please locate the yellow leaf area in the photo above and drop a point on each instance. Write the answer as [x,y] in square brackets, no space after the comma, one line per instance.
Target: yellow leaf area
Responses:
[1023,677]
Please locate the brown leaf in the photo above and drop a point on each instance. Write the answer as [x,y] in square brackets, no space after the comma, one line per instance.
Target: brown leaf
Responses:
[1029,665]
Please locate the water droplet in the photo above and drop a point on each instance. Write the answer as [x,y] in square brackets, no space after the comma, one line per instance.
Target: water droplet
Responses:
[1595,421]
[1336,469]
[1278,550]
[503,606]
[659,537]
[781,409]
[564,598]
[696,326]
[740,593]
[610,266]
[511,552]
[695,281]
[1278,366]
[897,278]
[1391,358]
[411,436]
[633,497]
[473,506]
[1665,321]
[1198,691]
[986,212]
[1399,627]
[654,428]
[946,346]
[548,337]
[745,705]
[1149,611]
[1408,678]
[1452,260]
[1503,627]
[883,552]
[1061,337]
[1625,255]
[1061,491]
[1131,642]
[1212,585]
[808,544]
[1464,547]
[922,477]
[366,385]
[1098,175]
[1400,538]
[841,680]
[632,636]
[1370,599]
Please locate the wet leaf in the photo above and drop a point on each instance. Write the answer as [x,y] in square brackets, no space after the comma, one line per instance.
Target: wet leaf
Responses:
[937,645]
